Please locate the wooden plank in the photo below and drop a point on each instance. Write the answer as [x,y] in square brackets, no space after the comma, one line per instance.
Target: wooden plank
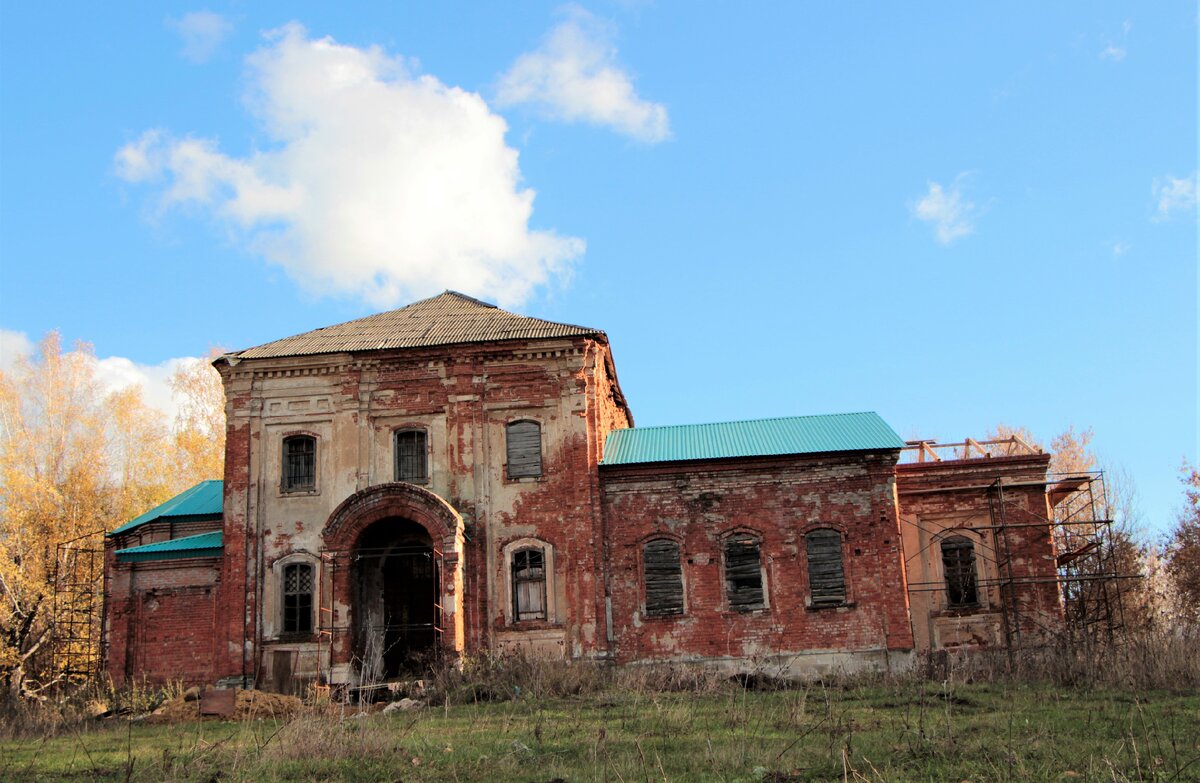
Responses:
[218,702]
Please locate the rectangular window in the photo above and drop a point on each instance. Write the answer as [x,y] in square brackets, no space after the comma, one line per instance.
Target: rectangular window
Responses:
[529,584]
[826,577]
[297,599]
[299,463]
[411,464]
[743,573]
[664,578]
[524,449]
[958,564]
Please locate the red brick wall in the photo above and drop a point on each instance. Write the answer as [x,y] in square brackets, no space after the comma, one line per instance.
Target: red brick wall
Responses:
[159,619]
[778,499]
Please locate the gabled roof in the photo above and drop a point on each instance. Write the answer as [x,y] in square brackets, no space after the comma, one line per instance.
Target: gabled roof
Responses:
[445,319]
[757,438]
[201,545]
[201,502]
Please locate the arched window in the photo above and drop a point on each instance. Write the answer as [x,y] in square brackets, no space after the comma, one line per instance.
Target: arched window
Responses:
[299,463]
[524,449]
[411,457]
[663,578]
[826,577]
[298,599]
[743,573]
[958,565]
[529,584]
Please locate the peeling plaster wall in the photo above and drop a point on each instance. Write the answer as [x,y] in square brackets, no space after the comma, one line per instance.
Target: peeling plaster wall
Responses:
[463,396]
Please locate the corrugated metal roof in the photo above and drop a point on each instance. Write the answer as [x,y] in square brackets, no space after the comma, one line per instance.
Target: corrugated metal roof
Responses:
[203,501]
[757,438]
[201,545]
[445,319]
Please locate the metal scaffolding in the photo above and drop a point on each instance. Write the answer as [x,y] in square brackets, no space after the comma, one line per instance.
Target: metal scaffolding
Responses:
[78,581]
[1088,569]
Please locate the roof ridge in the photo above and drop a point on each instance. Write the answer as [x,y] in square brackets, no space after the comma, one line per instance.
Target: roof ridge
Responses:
[750,421]
[449,318]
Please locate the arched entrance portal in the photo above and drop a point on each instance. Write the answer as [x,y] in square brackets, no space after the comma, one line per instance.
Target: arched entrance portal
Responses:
[391,582]
[395,575]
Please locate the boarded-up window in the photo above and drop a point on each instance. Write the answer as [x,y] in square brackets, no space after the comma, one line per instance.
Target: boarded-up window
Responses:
[299,463]
[743,573]
[529,584]
[664,578]
[958,564]
[411,463]
[297,598]
[524,444]
[826,578]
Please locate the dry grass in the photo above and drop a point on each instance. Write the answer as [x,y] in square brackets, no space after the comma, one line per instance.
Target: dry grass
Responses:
[1126,713]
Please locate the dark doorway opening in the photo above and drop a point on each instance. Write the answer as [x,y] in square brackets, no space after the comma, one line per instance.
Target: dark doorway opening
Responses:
[396,617]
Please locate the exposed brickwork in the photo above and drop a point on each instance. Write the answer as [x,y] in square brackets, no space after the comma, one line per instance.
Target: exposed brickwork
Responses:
[778,500]
[159,620]
[207,619]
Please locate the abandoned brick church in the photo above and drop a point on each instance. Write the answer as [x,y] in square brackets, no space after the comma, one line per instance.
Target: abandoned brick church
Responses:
[453,478]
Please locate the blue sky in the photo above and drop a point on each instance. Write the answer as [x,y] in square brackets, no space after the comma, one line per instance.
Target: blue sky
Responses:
[950,214]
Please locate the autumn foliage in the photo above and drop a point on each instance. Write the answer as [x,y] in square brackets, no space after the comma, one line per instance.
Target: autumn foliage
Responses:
[75,461]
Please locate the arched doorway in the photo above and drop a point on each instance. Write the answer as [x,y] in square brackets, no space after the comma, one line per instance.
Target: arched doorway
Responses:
[395,574]
[392,564]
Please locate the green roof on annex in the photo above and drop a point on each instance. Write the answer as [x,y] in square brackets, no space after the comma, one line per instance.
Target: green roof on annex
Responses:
[200,545]
[201,502]
[755,438]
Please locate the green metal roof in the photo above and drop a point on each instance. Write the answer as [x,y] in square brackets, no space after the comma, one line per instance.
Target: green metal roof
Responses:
[201,502]
[202,545]
[758,438]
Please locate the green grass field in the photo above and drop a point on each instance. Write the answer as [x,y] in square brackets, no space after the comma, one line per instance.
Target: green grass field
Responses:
[896,732]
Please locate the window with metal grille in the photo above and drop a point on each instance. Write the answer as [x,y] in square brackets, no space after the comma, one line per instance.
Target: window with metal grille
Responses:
[299,463]
[411,462]
[529,584]
[297,598]
[958,564]
[524,449]
[743,573]
[826,577]
[663,578]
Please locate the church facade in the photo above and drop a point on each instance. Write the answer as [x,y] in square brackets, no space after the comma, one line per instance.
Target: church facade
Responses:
[450,478]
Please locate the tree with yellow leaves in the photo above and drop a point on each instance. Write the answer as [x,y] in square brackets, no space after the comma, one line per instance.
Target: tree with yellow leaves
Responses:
[76,461]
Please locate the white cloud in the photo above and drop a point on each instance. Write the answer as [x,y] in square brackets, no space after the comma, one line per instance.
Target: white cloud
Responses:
[381,183]
[113,373]
[574,76]
[1121,248]
[202,33]
[952,216]
[12,345]
[1113,52]
[1175,195]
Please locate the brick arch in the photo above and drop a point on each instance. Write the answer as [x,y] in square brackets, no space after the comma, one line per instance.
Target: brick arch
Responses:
[395,499]
[340,535]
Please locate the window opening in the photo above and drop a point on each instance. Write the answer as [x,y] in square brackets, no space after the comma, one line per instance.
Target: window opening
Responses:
[299,463]
[411,461]
[297,598]
[826,576]
[743,573]
[958,564]
[524,449]
[663,578]
[529,584]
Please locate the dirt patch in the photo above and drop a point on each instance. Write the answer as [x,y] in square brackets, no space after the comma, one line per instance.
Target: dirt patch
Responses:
[248,705]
